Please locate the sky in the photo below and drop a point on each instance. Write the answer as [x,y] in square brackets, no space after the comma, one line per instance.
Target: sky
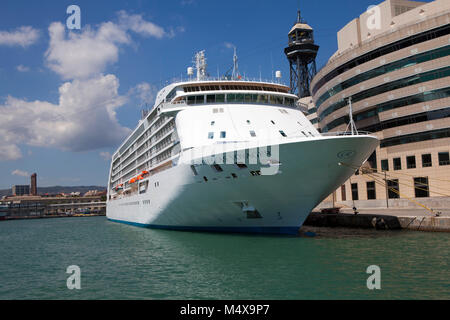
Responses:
[69,97]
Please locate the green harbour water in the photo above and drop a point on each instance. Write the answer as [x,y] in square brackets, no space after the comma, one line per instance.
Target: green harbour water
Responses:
[118,261]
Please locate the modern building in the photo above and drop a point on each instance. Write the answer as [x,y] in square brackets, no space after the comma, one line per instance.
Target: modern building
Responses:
[34,184]
[307,104]
[393,61]
[20,190]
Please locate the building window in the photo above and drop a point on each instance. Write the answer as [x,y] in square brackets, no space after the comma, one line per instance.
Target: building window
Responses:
[217,168]
[373,161]
[283,134]
[211,135]
[444,159]
[223,134]
[343,194]
[421,187]
[393,189]
[252,133]
[371,194]
[355,191]
[426,160]
[385,165]
[411,162]
[397,164]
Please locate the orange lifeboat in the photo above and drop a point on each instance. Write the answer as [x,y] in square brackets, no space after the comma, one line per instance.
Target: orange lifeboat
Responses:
[139,177]
[132,180]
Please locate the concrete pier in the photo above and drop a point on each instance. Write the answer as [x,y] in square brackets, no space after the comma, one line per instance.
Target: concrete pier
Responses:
[383,219]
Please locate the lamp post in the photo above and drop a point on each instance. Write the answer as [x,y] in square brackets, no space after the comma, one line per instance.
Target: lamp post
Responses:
[387,191]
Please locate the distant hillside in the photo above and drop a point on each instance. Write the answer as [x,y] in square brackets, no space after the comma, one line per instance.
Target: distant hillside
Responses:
[58,189]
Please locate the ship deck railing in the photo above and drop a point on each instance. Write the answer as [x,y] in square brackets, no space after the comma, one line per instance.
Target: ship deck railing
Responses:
[346,133]
[229,79]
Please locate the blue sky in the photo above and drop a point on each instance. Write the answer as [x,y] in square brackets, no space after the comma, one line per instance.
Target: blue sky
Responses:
[67,98]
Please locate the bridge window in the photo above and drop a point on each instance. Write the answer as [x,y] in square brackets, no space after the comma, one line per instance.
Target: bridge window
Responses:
[220,98]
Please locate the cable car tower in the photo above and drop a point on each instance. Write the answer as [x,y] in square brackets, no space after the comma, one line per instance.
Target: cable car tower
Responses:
[301,53]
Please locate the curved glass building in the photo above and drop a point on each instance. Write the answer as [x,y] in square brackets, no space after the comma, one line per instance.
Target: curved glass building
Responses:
[394,63]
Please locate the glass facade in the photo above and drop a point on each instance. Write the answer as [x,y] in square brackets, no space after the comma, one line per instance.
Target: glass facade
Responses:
[416,137]
[390,105]
[393,66]
[379,52]
[402,83]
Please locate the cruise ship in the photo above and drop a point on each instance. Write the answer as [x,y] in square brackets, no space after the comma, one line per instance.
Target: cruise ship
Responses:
[228,155]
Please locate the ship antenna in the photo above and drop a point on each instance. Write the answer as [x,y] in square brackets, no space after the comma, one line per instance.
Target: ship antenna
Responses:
[351,124]
[200,65]
[235,74]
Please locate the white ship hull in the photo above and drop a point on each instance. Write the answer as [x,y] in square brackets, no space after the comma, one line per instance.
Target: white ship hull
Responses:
[309,171]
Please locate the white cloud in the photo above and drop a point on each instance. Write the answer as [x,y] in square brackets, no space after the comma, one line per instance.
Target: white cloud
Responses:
[144,92]
[84,119]
[21,173]
[75,55]
[23,36]
[22,68]
[229,45]
[8,150]
[81,55]
[105,155]
[136,23]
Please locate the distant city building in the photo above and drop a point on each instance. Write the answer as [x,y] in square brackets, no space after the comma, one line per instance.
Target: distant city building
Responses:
[26,206]
[394,63]
[20,190]
[92,193]
[34,184]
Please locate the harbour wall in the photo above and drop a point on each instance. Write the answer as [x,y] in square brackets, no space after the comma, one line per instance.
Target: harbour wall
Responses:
[385,221]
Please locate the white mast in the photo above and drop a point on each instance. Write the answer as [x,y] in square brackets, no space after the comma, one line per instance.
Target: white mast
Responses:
[235,73]
[200,65]
[351,124]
